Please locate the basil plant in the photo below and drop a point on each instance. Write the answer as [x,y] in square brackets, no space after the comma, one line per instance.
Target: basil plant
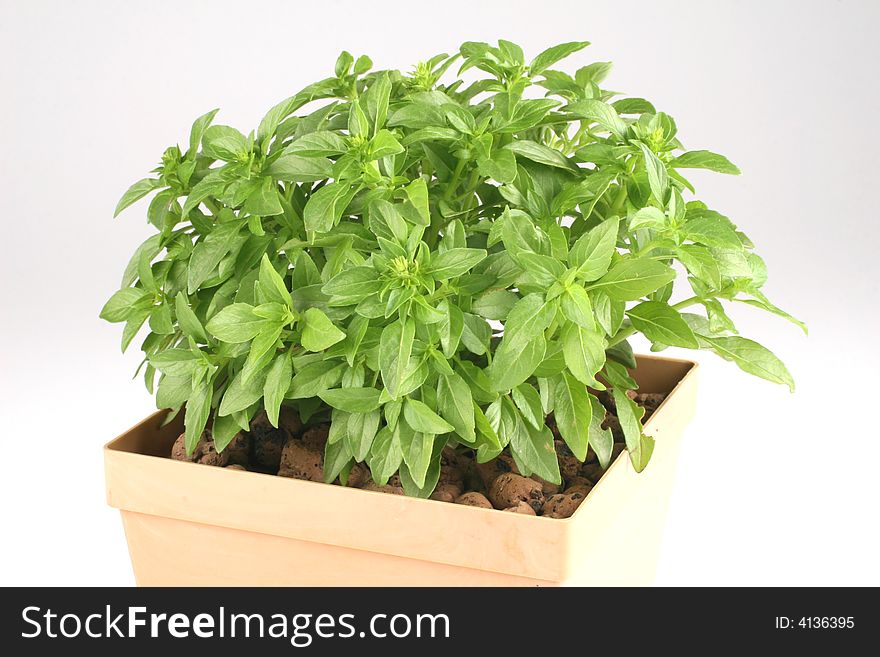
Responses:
[426,262]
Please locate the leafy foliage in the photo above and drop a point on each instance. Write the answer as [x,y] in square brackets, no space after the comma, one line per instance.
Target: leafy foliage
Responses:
[429,262]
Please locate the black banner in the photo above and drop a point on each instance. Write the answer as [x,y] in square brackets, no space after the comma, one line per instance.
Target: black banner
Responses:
[431,621]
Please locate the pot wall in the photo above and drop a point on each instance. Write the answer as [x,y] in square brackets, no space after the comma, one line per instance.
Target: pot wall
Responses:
[189,524]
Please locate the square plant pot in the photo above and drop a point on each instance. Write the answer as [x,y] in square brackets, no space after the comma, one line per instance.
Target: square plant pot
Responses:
[189,524]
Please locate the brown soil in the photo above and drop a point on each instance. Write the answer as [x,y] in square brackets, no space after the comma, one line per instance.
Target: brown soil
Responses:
[474,499]
[204,452]
[521,507]
[297,451]
[510,489]
[301,461]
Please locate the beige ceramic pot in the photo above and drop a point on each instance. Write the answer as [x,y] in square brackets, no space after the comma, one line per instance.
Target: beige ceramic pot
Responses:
[189,524]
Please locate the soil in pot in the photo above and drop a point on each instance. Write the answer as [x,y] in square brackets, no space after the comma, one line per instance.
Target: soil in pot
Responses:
[297,451]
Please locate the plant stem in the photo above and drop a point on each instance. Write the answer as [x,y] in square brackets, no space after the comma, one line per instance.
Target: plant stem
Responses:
[621,335]
[438,222]
[453,182]
[681,305]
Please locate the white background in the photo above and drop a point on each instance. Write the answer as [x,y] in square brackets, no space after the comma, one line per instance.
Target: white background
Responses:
[772,489]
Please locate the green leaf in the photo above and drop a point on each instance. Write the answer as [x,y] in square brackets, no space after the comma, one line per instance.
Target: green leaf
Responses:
[318,332]
[602,113]
[601,440]
[576,307]
[325,207]
[527,114]
[207,254]
[662,324]
[198,130]
[541,154]
[487,438]
[527,319]
[633,278]
[495,304]
[705,160]
[198,408]
[270,122]
[385,455]
[277,384]
[456,405]
[263,201]
[762,302]
[173,391]
[552,55]
[136,192]
[753,358]
[385,221]
[528,401]
[455,262]
[355,283]
[634,106]
[592,252]
[221,142]
[451,328]
[336,457]
[712,229]
[573,412]
[352,400]
[432,476]
[417,193]
[417,451]
[314,378]
[658,179]
[177,362]
[532,449]
[186,318]
[358,125]
[125,303]
[395,347]
[622,352]
[541,269]
[514,364]
[223,430]
[272,284]
[274,311]
[383,145]
[236,323]
[700,262]
[595,72]
[300,168]
[649,217]
[149,249]
[361,432]
[608,313]
[431,133]
[618,376]
[584,353]
[421,418]
[262,349]
[375,100]
[210,185]
[500,166]
[242,393]
[639,446]
[160,320]
[318,144]
[343,63]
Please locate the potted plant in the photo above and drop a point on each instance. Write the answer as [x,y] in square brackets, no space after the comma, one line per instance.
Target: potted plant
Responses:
[406,285]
